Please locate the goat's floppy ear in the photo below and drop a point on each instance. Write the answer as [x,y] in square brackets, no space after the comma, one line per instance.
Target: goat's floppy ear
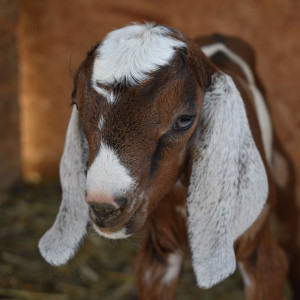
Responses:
[228,185]
[61,241]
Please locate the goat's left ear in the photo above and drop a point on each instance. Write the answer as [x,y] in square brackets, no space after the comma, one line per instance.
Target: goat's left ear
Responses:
[62,240]
[228,185]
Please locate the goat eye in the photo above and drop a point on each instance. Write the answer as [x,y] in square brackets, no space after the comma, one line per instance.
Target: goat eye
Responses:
[184,122]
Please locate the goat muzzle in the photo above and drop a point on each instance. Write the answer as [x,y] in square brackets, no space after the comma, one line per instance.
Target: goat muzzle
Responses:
[106,215]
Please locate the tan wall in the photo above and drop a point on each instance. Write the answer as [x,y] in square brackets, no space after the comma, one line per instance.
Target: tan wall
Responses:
[10,165]
[54,32]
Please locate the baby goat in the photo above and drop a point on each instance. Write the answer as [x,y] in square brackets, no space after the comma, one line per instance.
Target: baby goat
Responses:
[174,135]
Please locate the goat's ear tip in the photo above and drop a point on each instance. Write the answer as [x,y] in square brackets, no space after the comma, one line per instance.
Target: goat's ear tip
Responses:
[206,279]
[55,252]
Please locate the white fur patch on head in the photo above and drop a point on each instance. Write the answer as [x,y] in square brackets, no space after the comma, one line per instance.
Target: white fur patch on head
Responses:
[261,108]
[130,53]
[229,172]
[107,174]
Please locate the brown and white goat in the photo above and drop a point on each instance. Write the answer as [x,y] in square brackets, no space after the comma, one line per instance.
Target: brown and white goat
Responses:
[174,135]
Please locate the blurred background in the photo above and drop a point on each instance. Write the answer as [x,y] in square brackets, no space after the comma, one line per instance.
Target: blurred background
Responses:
[41,45]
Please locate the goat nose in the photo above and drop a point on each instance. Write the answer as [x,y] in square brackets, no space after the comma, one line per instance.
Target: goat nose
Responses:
[102,210]
[107,211]
[101,198]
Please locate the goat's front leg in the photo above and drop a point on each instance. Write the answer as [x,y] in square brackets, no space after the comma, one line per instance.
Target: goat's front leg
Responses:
[157,272]
[159,260]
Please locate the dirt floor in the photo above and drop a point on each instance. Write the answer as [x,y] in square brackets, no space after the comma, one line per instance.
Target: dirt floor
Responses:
[102,269]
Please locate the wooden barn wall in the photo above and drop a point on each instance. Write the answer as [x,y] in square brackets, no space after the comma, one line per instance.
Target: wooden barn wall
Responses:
[55,35]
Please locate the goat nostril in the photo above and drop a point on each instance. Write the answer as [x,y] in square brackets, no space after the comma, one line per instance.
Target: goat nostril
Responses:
[102,209]
[103,213]
[121,202]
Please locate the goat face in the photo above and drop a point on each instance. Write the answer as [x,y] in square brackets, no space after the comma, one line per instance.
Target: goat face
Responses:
[150,106]
[138,141]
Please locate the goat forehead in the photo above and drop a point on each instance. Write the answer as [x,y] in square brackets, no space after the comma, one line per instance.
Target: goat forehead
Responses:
[129,54]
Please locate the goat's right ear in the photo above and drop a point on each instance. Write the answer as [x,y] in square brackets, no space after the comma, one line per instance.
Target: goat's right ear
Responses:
[228,185]
[61,241]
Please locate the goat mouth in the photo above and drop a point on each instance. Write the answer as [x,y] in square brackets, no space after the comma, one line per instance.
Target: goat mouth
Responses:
[124,229]
[117,234]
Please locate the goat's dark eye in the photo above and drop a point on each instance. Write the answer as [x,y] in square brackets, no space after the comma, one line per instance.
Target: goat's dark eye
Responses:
[184,122]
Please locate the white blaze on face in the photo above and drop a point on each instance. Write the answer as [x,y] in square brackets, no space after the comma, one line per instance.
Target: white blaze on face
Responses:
[107,174]
[130,53]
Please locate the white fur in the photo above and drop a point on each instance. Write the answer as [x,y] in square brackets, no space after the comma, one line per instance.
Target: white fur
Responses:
[262,112]
[173,268]
[147,276]
[107,174]
[130,53]
[229,172]
[120,234]
[61,241]
[211,50]
[246,278]
[100,123]
[109,95]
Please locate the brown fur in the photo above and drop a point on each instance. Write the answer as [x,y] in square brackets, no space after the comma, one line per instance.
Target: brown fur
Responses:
[287,215]
[134,128]
[166,234]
